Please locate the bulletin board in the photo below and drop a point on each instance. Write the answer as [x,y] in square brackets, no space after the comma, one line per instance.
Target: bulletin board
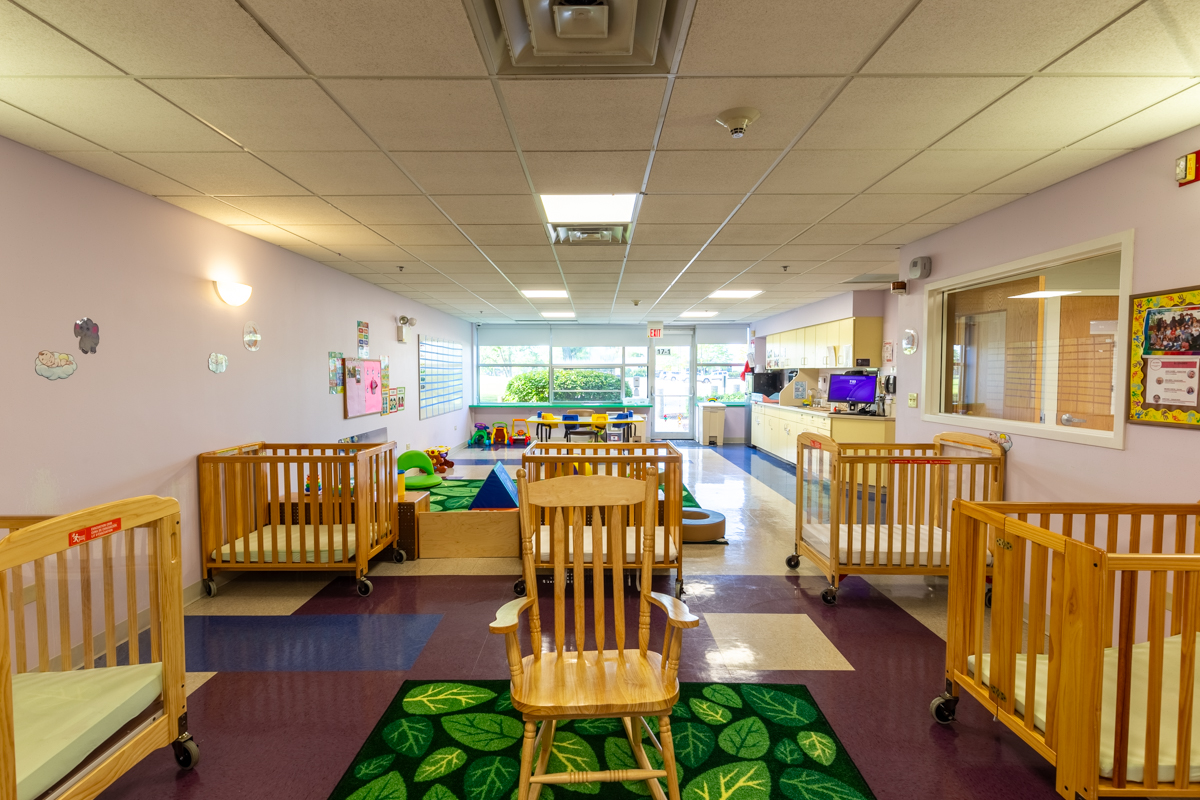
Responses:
[364,387]
[1164,365]
[440,382]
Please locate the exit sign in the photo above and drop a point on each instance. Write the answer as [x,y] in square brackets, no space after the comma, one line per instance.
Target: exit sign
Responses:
[654,330]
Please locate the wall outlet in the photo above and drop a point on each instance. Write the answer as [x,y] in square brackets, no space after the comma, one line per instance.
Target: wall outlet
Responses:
[407,446]
[912,399]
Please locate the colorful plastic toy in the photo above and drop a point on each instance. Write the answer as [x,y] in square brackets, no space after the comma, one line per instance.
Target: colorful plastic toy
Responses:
[519,435]
[482,436]
[499,433]
[437,455]
[417,459]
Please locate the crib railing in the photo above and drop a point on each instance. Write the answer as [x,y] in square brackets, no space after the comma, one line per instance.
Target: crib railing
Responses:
[1067,583]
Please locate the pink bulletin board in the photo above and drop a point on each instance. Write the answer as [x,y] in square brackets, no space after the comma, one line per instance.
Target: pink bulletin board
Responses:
[364,387]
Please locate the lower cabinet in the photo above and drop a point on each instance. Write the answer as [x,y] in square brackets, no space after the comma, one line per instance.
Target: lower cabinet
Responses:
[774,429]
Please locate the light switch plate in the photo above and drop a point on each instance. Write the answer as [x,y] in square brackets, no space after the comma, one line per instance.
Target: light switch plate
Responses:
[912,400]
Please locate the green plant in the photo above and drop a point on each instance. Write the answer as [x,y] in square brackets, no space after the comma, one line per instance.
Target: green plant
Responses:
[569,385]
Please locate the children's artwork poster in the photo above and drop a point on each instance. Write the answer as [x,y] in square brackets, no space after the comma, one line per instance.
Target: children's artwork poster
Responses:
[364,340]
[385,374]
[1164,367]
[336,377]
[395,400]
[364,391]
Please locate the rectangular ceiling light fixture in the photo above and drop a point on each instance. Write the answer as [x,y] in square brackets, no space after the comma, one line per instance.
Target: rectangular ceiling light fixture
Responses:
[735,294]
[558,314]
[698,314]
[1041,295]
[588,208]
[544,292]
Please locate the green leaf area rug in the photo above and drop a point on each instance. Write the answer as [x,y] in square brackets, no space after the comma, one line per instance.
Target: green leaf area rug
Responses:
[462,741]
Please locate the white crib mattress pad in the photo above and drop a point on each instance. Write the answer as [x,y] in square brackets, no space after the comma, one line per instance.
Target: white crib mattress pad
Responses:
[61,717]
[275,544]
[913,540]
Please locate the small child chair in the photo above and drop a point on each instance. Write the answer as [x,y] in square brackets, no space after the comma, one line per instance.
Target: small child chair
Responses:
[416,459]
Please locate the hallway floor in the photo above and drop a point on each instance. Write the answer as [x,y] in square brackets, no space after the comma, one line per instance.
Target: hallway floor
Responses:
[288,675]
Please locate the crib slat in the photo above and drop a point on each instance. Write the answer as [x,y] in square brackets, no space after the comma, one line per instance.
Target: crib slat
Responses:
[1128,610]
[85,596]
[1089,529]
[1037,626]
[131,602]
[1110,591]
[110,608]
[18,606]
[261,509]
[1156,625]
[1178,581]
[878,509]
[43,628]
[152,548]
[902,511]
[1054,670]
[8,766]
[577,525]
[1187,595]
[64,613]
[297,508]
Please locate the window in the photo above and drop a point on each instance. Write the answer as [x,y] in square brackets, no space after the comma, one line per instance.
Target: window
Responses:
[513,374]
[541,374]
[1033,345]
[719,371]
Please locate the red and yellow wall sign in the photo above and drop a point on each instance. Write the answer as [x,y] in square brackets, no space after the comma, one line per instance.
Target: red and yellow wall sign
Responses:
[1164,365]
[1185,168]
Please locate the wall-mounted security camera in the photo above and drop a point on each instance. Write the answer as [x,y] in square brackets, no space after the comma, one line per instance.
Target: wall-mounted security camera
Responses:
[919,268]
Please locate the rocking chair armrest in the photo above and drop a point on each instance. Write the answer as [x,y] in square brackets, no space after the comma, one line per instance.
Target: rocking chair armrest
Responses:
[678,614]
[508,616]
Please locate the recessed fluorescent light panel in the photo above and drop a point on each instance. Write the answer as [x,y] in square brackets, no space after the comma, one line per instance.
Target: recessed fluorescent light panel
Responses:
[735,294]
[558,314]
[698,314]
[544,292]
[1041,295]
[588,208]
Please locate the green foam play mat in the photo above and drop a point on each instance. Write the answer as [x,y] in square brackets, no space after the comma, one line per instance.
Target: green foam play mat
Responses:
[462,741]
[456,494]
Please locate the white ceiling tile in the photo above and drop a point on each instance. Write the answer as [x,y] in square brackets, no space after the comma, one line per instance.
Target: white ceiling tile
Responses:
[381,253]
[1050,170]
[646,233]
[33,132]
[528,267]
[588,270]
[465,173]
[523,252]
[585,114]
[786,105]
[30,47]
[291,210]
[705,171]
[1160,36]
[490,209]
[337,235]
[795,267]
[405,235]
[436,254]
[843,234]
[366,37]
[272,234]
[687,208]
[870,252]
[220,173]
[657,267]
[389,209]
[910,233]
[114,112]
[268,114]
[957,171]
[661,252]
[484,235]
[788,208]
[597,172]
[215,210]
[350,173]
[1173,115]
[426,114]
[130,173]
[971,205]
[1051,112]
[832,171]
[809,252]
[897,113]
[763,37]
[996,36]
[739,233]
[312,251]
[735,252]
[888,207]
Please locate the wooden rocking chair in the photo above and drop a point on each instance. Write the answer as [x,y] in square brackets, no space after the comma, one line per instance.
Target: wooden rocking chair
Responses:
[629,684]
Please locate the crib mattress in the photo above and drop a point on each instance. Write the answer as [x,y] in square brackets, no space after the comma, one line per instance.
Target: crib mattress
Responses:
[1137,711]
[277,535]
[630,543]
[61,717]
[915,544]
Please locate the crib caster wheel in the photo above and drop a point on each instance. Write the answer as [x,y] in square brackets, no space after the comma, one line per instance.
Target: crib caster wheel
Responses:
[829,596]
[519,588]
[987,597]
[942,708]
[678,588]
[210,587]
[187,752]
[793,561]
[364,587]
[399,556]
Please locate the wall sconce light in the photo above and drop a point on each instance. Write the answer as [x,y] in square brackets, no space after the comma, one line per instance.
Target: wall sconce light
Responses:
[235,294]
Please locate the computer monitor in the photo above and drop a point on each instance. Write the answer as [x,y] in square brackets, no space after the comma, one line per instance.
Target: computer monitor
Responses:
[852,388]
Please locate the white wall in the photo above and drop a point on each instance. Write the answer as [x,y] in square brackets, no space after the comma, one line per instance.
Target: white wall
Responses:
[133,417]
[1136,191]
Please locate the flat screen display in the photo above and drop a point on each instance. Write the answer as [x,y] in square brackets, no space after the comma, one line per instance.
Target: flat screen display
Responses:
[852,388]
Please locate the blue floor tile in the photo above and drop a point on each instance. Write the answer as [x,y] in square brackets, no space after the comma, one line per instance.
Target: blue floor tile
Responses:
[774,472]
[317,643]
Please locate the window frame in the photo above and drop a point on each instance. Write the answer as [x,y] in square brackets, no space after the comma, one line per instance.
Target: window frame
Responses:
[699,364]
[551,366]
[933,338]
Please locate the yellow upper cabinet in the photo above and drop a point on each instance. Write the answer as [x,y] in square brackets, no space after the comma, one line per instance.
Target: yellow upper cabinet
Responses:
[868,340]
[845,342]
[852,339]
[791,348]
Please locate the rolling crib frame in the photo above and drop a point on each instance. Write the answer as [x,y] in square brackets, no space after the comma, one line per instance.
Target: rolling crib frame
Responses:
[917,477]
[37,539]
[1067,582]
[244,488]
[543,460]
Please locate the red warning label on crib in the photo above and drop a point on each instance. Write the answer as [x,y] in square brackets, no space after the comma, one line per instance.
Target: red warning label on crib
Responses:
[94,532]
[919,461]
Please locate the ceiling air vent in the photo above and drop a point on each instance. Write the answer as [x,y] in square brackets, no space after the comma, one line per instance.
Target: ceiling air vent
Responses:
[590,234]
[872,278]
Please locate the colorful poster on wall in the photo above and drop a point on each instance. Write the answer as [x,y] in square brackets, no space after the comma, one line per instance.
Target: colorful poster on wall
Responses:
[1164,368]
[364,394]
[364,340]
[336,378]
[395,400]
[385,374]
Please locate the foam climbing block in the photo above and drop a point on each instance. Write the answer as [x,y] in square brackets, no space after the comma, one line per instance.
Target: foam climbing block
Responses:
[498,490]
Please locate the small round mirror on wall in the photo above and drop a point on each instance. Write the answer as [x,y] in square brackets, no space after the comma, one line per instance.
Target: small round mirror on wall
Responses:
[251,337]
[908,343]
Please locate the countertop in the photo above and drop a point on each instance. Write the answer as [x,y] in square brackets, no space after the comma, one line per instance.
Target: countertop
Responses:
[817,412]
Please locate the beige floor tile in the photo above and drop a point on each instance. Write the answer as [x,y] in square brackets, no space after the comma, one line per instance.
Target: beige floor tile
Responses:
[773,641]
[194,680]
[261,594]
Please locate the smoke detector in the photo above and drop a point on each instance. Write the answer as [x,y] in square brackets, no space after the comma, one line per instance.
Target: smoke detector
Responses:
[737,120]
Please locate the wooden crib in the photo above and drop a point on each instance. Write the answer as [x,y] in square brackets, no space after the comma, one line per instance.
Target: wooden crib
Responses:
[64,582]
[1089,651]
[321,507]
[542,460]
[888,505]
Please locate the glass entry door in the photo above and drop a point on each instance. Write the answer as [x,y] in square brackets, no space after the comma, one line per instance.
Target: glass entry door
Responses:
[673,391]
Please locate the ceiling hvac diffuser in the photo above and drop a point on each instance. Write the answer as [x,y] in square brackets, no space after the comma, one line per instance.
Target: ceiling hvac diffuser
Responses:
[581,33]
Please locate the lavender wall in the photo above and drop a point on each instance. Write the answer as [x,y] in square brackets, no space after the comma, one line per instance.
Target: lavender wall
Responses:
[1136,191]
[133,417]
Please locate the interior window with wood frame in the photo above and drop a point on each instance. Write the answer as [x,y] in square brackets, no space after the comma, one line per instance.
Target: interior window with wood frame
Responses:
[1036,347]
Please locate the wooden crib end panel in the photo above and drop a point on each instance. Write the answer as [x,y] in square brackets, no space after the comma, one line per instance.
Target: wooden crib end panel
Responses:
[104,774]
[8,743]
[1082,663]
[50,536]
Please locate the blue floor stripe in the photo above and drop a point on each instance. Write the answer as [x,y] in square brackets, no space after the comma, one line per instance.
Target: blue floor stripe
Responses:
[309,643]
[774,472]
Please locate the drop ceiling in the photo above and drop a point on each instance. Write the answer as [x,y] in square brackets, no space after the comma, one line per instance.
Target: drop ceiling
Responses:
[371,135]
